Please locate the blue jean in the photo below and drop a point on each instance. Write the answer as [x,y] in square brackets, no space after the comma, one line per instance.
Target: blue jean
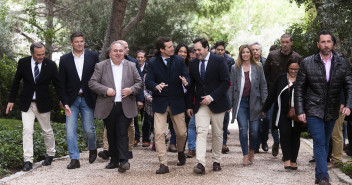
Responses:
[274,132]
[244,124]
[79,106]
[191,133]
[225,128]
[321,132]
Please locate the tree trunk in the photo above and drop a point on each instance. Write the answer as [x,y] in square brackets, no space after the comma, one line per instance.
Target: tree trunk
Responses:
[115,30]
[49,31]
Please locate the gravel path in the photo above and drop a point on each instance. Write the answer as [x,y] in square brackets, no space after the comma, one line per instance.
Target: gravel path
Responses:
[266,169]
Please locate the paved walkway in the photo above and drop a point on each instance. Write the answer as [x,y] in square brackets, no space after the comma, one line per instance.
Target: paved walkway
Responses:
[266,169]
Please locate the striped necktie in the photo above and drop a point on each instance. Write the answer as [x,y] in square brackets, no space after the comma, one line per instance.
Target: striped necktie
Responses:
[202,70]
[36,72]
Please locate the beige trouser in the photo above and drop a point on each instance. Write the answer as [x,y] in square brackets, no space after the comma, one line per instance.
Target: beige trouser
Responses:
[203,117]
[28,129]
[337,139]
[160,125]
[130,138]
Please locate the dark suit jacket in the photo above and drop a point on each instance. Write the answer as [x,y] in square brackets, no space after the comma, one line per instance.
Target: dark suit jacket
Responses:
[103,78]
[173,94]
[140,95]
[70,79]
[217,81]
[48,73]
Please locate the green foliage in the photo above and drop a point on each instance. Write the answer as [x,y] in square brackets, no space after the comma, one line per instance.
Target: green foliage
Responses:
[248,21]
[333,15]
[11,152]
[8,69]
[306,135]
[6,32]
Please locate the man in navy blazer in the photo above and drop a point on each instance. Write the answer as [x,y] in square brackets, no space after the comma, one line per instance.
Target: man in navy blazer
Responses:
[76,69]
[36,72]
[210,80]
[167,77]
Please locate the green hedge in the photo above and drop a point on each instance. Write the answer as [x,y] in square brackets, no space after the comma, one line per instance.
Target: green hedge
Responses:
[11,153]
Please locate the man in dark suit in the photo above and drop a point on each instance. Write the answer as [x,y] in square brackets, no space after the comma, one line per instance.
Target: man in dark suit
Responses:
[210,80]
[36,72]
[146,127]
[116,81]
[75,69]
[167,74]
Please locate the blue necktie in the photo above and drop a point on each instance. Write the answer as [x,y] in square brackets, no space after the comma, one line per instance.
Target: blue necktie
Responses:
[202,70]
[36,72]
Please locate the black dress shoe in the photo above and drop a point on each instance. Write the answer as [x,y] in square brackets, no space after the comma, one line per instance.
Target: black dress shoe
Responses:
[181,159]
[27,166]
[48,160]
[73,164]
[112,165]
[256,151]
[104,154]
[163,169]
[199,169]
[123,167]
[130,155]
[216,166]
[275,149]
[92,155]
[265,147]
[287,167]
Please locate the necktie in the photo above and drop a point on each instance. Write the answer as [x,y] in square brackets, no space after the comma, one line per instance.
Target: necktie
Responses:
[168,62]
[36,72]
[202,70]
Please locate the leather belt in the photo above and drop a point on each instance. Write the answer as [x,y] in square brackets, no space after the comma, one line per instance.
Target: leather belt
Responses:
[81,94]
[117,102]
[34,100]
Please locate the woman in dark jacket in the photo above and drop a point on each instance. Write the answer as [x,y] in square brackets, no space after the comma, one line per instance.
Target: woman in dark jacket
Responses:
[282,94]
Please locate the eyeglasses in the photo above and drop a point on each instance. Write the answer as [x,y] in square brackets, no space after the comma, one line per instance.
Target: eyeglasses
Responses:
[294,69]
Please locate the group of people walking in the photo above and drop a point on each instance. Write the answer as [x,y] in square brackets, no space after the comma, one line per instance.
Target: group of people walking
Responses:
[190,91]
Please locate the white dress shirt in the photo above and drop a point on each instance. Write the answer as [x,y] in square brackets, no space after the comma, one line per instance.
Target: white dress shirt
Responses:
[40,69]
[117,73]
[79,61]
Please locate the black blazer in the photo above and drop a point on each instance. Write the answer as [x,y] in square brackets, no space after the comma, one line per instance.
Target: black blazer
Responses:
[217,81]
[48,73]
[70,79]
[172,95]
[140,95]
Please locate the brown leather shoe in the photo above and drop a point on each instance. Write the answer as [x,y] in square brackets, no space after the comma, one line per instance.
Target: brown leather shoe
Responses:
[199,169]
[324,181]
[92,155]
[225,149]
[73,164]
[216,166]
[163,169]
[191,154]
[181,158]
[146,144]
[135,143]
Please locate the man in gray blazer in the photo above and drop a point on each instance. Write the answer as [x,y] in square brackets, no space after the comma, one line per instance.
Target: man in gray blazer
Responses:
[116,82]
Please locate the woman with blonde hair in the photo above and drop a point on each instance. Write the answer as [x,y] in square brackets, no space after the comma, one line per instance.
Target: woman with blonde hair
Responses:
[247,93]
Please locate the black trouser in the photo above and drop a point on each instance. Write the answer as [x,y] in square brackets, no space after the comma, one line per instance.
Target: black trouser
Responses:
[147,127]
[117,131]
[290,138]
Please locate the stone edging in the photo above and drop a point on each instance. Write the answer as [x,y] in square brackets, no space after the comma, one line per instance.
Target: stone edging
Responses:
[20,173]
[342,176]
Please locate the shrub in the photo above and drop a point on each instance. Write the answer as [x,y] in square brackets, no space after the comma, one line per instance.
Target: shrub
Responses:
[11,152]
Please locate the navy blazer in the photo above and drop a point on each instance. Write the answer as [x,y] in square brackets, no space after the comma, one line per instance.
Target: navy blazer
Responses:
[216,83]
[70,79]
[48,73]
[172,95]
